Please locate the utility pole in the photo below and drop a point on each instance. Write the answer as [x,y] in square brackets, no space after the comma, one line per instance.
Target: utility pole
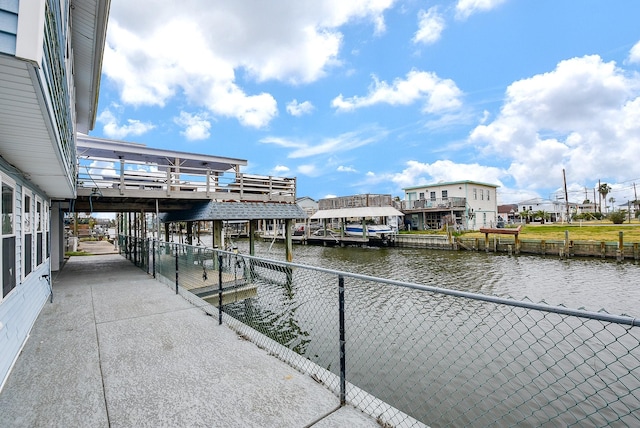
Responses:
[566,195]
[599,198]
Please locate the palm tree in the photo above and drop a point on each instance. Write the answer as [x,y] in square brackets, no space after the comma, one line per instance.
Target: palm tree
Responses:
[604,190]
[612,200]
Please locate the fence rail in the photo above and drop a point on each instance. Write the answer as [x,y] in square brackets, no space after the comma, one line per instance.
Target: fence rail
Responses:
[414,355]
[114,178]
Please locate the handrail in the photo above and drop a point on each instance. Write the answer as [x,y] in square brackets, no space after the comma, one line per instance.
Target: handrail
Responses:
[134,176]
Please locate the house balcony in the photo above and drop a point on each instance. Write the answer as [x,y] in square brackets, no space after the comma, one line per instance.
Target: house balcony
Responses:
[434,205]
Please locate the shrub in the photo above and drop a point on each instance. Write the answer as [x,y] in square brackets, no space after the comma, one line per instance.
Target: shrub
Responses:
[618,217]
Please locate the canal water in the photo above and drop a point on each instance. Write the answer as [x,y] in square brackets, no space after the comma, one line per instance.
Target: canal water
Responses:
[590,283]
[455,362]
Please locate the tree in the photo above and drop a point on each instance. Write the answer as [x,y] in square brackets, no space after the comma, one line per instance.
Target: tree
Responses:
[604,190]
[542,215]
[612,200]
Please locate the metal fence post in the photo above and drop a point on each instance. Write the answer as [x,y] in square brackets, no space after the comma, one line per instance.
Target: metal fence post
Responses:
[219,289]
[343,358]
[146,254]
[176,268]
[153,256]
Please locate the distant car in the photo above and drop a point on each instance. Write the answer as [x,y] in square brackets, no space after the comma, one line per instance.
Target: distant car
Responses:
[299,231]
[320,232]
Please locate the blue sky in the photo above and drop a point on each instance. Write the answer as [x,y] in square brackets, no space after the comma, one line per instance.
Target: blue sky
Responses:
[373,96]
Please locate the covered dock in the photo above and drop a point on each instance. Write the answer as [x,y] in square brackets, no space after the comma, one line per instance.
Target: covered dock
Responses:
[361,214]
[150,188]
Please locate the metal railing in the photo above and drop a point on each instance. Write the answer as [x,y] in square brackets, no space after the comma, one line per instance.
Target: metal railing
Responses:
[413,355]
[435,204]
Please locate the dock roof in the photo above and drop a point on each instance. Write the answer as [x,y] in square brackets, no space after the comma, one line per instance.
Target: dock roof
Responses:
[213,210]
[111,150]
[359,212]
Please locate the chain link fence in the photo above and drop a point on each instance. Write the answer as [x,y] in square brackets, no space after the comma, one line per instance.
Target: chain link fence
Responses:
[415,355]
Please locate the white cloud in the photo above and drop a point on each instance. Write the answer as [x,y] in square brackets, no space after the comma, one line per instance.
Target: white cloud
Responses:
[343,168]
[634,54]
[341,143]
[437,95]
[584,116]
[113,129]
[298,109]
[307,169]
[430,26]
[465,8]
[280,169]
[417,173]
[196,126]
[155,51]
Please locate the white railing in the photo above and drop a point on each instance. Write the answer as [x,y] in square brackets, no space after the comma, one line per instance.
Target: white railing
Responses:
[126,178]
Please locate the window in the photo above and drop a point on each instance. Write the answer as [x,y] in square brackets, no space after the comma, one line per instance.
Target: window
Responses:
[445,194]
[8,238]
[421,196]
[488,193]
[475,194]
[47,217]
[27,229]
[481,195]
[39,234]
[432,196]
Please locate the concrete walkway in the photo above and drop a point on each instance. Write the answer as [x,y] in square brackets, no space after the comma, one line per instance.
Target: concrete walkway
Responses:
[118,349]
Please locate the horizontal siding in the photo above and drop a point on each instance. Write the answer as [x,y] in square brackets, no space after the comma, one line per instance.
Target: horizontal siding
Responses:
[10,6]
[21,307]
[18,312]
[8,26]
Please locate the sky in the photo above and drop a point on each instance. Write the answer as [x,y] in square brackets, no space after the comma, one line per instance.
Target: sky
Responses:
[373,96]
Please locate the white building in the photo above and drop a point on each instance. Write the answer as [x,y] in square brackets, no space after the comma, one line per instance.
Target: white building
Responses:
[556,211]
[466,204]
[49,81]
[309,205]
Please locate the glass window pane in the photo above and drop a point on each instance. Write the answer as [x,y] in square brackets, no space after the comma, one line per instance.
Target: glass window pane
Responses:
[7,209]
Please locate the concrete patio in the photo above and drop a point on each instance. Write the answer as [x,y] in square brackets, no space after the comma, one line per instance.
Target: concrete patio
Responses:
[117,349]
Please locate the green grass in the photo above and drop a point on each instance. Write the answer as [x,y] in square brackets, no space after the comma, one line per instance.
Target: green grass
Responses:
[585,232]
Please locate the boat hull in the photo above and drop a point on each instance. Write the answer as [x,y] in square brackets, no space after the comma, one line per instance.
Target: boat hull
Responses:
[373,231]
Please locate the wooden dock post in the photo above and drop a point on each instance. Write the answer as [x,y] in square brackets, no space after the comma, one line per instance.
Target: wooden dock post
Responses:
[288,241]
[620,252]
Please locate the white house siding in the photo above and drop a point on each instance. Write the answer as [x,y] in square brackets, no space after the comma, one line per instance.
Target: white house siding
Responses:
[18,311]
[481,208]
[21,306]
[40,98]
[8,26]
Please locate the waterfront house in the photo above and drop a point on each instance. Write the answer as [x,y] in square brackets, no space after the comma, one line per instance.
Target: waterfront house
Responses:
[50,62]
[309,205]
[507,213]
[463,204]
[553,211]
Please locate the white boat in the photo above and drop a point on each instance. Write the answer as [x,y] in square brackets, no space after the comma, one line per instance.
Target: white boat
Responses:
[373,230]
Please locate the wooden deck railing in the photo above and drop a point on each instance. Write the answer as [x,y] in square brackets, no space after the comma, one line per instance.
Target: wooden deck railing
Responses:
[138,180]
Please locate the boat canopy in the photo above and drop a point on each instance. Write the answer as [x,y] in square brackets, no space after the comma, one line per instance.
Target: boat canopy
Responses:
[360,212]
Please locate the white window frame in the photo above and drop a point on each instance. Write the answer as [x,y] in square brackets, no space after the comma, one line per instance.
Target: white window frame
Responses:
[28,228]
[39,228]
[6,180]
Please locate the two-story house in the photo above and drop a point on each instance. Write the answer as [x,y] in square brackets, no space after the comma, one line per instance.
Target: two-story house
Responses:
[50,66]
[465,204]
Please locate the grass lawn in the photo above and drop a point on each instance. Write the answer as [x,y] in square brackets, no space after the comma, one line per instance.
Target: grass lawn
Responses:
[596,231]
